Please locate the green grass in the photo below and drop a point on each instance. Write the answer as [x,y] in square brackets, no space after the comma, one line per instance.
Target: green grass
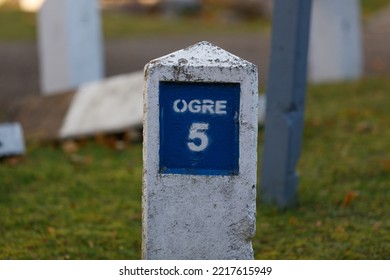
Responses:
[121,25]
[370,7]
[346,153]
[53,207]
[19,26]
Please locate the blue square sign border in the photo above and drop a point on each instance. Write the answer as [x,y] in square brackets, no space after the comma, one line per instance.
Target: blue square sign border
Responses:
[199,128]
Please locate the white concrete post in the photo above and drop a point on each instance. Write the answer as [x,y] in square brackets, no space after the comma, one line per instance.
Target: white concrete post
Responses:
[70,44]
[200,154]
[335,41]
[11,139]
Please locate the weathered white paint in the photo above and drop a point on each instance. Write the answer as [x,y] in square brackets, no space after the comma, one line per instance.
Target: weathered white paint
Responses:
[70,44]
[335,41]
[114,104]
[200,217]
[11,139]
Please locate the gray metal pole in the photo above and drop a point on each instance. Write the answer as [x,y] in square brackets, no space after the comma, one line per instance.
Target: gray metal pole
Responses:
[285,102]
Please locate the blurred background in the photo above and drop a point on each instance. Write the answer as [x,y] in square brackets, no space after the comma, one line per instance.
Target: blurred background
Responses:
[134,32]
[81,198]
[137,31]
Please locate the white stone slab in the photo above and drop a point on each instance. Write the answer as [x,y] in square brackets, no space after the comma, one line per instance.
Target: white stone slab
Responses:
[11,139]
[195,215]
[335,41]
[114,104]
[70,44]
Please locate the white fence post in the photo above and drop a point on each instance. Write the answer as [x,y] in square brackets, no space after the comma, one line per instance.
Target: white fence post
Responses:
[335,41]
[70,44]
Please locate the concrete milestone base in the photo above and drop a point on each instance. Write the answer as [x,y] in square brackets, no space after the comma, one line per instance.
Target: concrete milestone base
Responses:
[200,203]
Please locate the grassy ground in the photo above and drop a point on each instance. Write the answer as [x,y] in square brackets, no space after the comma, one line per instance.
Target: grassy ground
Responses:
[120,25]
[56,205]
[87,205]
[345,177]
[369,7]
[19,26]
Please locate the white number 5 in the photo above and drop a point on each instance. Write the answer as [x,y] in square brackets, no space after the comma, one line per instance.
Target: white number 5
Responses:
[198,131]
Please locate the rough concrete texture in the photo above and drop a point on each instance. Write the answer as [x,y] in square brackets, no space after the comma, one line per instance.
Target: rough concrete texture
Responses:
[111,105]
[193,216]
[70,44]
[11,139]
[336,44]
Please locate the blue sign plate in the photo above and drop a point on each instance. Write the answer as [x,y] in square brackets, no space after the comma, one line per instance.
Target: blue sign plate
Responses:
[199,128]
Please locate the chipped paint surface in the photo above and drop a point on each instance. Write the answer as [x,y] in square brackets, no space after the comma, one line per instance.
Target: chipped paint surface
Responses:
[188,216]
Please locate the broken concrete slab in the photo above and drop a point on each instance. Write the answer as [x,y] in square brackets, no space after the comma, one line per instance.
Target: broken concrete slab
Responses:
[111,105]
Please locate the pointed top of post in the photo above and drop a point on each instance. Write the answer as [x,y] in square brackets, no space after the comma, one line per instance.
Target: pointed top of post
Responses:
[202,54]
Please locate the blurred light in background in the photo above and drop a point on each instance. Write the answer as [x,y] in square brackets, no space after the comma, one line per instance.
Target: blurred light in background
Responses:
[30,5]
[149,2]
